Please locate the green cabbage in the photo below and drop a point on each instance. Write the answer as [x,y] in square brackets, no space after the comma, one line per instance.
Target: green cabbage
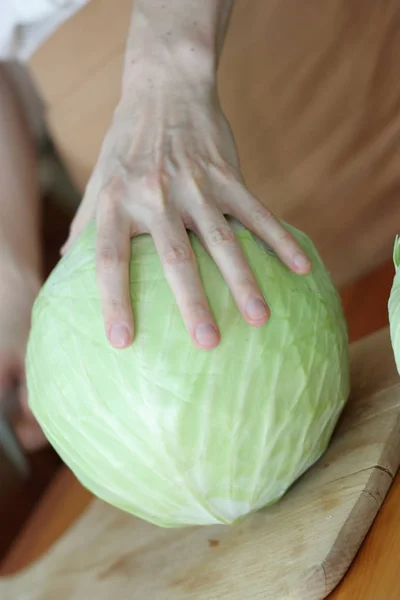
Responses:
[173,434]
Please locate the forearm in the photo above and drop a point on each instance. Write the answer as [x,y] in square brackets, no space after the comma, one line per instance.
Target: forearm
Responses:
[19,197]
[182,38]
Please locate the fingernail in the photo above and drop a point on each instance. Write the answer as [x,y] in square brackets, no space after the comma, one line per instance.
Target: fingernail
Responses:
[119,335]
[300,261]
[206,334]
[256,309]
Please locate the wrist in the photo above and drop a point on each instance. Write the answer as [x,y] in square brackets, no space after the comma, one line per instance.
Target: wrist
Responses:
[168,55]
[179,68]
[159,87]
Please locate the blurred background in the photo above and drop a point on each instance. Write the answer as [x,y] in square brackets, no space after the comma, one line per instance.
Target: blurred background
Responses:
[322,167]
[19,493]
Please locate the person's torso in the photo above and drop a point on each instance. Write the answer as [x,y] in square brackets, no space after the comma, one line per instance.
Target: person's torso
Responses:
[26,24]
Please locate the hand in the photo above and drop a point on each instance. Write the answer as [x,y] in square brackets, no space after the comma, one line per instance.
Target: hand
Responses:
[169,163]
[17,294]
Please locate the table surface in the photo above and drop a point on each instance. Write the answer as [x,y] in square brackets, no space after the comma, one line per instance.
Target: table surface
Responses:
[374,572]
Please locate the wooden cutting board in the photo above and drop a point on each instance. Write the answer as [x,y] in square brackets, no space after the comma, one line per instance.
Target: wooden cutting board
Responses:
[297,550]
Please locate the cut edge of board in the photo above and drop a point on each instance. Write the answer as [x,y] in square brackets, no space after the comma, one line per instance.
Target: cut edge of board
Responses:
[327,575]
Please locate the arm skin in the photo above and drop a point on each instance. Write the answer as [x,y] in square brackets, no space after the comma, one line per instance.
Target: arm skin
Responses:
[19,197]
[20,256]
[169,164]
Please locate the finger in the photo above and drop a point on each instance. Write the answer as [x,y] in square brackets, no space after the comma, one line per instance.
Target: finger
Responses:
[257,218]
[182,274]
[112,269]
[223,246]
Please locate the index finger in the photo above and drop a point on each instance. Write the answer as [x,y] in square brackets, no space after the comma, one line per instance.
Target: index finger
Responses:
[112,269]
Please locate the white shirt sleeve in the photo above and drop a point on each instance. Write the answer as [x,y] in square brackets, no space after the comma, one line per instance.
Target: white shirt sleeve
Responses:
[26,24]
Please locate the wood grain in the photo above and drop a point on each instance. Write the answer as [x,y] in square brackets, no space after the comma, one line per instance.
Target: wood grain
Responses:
[374,575]
[311,90]
[298,549]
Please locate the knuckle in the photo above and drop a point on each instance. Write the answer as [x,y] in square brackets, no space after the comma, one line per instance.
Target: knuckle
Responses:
[227,172]
[154,180]
[119,307]
[159,206]
[112,306]
[113,191]
[203,202]
[196,170]
[220,236]
[108,258]
[230,173]
[286,238]
[115,304]
[263,216]
[178,254]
